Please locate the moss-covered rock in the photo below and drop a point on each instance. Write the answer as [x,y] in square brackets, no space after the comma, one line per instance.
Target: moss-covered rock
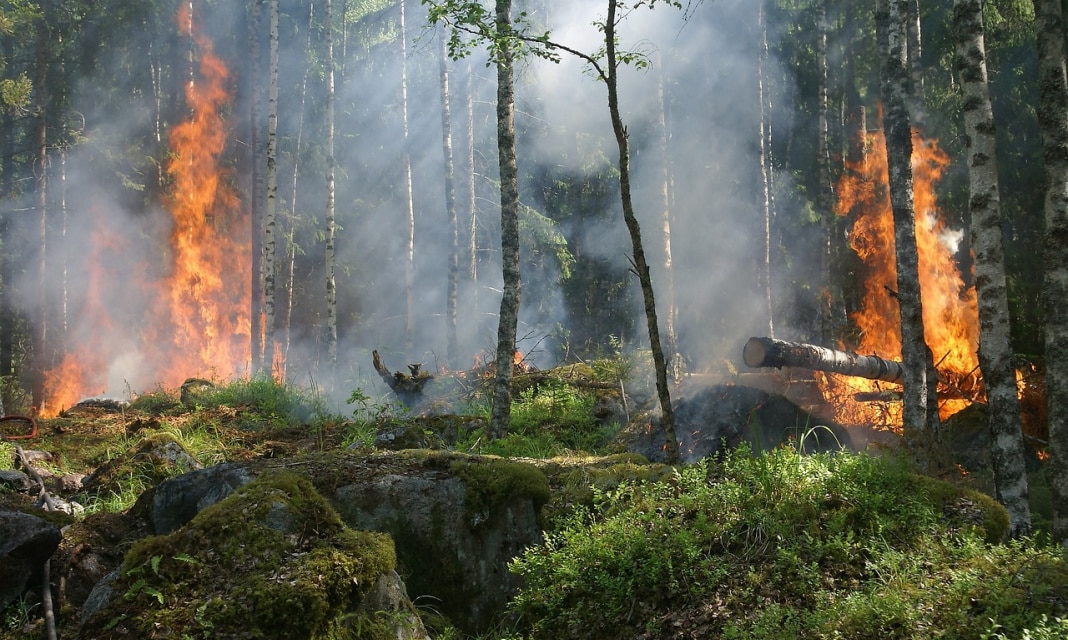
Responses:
[457,521]
[273,560]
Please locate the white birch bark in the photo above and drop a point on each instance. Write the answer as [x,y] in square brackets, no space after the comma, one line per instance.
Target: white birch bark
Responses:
[508,319]
[269,223]
[409,205]
[995,350]
[453,265]
[1053,120]
[331,168]
[914,352]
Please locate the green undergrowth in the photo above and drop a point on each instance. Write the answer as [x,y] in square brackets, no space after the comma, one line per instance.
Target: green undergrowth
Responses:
[784,546]
[549,418]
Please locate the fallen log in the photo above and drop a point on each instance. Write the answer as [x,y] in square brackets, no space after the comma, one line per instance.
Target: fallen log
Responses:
[769,352]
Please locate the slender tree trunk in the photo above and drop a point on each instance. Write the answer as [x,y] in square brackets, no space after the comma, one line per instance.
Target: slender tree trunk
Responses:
[469,174]
[269,224]
[331,285]
[664,179]
[995,350]
[641,266]
[508,319]
[255,142]
[915,61]
[291,247]
[453,268]
[824,190]
[765,175]
[409,205]
[40,167]
[1053,120]
[914,352]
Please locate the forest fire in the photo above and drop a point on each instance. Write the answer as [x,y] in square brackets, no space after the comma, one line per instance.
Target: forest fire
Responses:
[950,314]
[196,318]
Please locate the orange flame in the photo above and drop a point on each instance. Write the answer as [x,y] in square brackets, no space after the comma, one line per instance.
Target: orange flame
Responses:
[950,313]
[199,324]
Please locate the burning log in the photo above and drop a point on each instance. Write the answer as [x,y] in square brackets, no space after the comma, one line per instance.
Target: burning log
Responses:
[408,386]
[768,352]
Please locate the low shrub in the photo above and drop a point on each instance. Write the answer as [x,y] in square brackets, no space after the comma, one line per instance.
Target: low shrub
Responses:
[779,545]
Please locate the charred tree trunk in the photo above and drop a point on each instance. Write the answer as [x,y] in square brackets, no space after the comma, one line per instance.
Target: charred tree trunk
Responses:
[407,386]
[768,352]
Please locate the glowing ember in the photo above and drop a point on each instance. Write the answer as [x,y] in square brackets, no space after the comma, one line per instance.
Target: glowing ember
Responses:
[950,315]
[194,320]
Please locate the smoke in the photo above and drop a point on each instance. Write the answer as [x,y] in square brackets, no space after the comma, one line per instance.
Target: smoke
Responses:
[117,242]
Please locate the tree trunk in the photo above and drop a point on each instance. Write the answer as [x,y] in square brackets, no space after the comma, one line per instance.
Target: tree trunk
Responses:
[272,197]
[256,218]
[472,201]
[768,352]
[508,319]
[331,167]
[291,248]
[453,269]
[664,179]
[914,352]
[640,265]
[40,167]
[1053,120]
[409,205]
[765,172]
[824,190]
[915,62]
[995,350]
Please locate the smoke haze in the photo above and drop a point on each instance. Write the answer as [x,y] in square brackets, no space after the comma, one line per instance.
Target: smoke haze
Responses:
[116,245]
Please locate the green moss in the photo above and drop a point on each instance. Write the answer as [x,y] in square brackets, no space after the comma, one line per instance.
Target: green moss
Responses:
[273,560]
[967,507]
[494,481]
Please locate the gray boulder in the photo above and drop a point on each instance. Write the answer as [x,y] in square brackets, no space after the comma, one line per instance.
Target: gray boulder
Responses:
[456,522]
[272,560]
[26,543]
[178,500]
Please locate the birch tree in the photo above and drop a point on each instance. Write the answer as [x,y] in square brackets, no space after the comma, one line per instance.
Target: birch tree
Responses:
[664,197]
[995,350]
[272,195]
[453,267]
[258,190]
[331,168]
[40,168]
[914,352]
[765,172]
[469,16]
[508,319]
[409,204]
[1053,120]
